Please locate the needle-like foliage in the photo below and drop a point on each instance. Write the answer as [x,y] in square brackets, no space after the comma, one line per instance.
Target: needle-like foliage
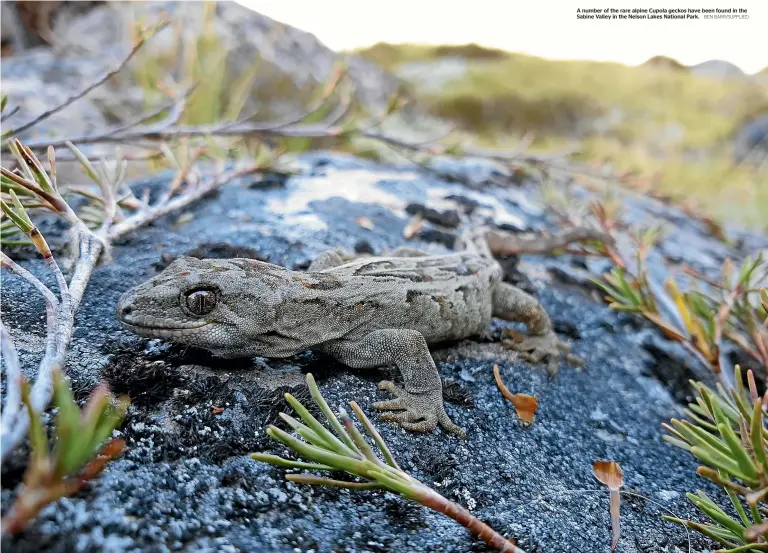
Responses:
[340,447]
[726,432]
[78,456]
[700,318]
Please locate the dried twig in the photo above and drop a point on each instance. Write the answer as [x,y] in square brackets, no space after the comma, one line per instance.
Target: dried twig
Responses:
[506,243]
[98,82]
[10,113]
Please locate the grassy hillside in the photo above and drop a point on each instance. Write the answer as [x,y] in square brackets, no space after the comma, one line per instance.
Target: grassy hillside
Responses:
[671,130]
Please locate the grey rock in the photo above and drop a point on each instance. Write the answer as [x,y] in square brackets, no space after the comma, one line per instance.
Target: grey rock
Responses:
[186,482]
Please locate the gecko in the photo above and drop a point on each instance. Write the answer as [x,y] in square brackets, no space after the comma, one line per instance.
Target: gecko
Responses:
[368,312]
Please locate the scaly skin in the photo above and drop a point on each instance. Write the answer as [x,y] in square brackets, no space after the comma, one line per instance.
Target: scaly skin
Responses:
[366,313]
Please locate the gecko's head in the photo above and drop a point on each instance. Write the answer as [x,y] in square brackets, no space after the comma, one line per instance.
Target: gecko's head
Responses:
[215,304]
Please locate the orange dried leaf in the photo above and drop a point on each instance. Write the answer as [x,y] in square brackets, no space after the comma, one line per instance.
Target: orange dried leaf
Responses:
[608,473]
[525,405]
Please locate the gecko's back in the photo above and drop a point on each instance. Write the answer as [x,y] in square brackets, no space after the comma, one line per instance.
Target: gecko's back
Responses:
[445,297]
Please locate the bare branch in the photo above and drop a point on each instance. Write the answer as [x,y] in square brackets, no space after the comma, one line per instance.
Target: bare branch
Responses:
[101,80]
[159,210]
[10,113]
[175,110]
[12,374]
[505,243]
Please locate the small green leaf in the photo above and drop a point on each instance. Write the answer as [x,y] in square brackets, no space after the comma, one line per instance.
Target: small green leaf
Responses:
[317,454]
[320,400]
[17,219]
[740,455]
[703,502]
[315,425]
[287,463]
[38,439]
[85,162]
[69,453]
[756,435]
[717,460]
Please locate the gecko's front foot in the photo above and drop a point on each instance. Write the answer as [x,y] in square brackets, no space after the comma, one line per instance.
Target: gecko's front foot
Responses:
[418,413]
[543,348]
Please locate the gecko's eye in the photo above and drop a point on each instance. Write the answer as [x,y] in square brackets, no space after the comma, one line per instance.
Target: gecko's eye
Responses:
[201,302]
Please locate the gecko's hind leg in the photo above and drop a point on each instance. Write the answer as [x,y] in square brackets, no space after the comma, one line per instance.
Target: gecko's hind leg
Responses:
[418,405]
[541,343]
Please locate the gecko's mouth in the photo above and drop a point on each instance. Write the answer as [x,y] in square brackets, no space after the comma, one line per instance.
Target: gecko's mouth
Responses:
[163,331]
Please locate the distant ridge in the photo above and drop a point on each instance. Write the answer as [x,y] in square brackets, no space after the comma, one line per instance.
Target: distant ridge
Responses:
[718,69]
[665,62]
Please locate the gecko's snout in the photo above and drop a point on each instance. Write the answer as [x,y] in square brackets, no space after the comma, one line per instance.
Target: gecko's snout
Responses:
[124,307]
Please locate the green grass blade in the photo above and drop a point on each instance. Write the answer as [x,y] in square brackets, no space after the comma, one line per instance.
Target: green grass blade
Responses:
[334,422]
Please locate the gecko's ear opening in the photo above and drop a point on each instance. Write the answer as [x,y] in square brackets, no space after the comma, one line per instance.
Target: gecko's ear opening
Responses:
[200,301]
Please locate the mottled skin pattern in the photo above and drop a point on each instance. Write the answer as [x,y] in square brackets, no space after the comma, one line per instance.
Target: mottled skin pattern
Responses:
[366,313]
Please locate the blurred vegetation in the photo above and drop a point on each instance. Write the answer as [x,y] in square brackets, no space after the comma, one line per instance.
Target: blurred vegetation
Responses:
[726,432]
[198,60]
[664,130]
[200,64]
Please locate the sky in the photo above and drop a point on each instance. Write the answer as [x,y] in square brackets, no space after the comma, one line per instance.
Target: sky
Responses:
[546,28]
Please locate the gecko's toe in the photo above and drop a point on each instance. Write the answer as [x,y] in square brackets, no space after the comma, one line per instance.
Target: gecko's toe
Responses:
[449,426]
[424,426]
[417,413]
[403,417]
[396,404]
[553,366]
[575,360]
[536,355]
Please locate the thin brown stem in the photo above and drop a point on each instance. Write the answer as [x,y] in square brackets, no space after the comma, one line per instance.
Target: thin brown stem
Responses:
[436,502]
[615,507]
[56,201]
